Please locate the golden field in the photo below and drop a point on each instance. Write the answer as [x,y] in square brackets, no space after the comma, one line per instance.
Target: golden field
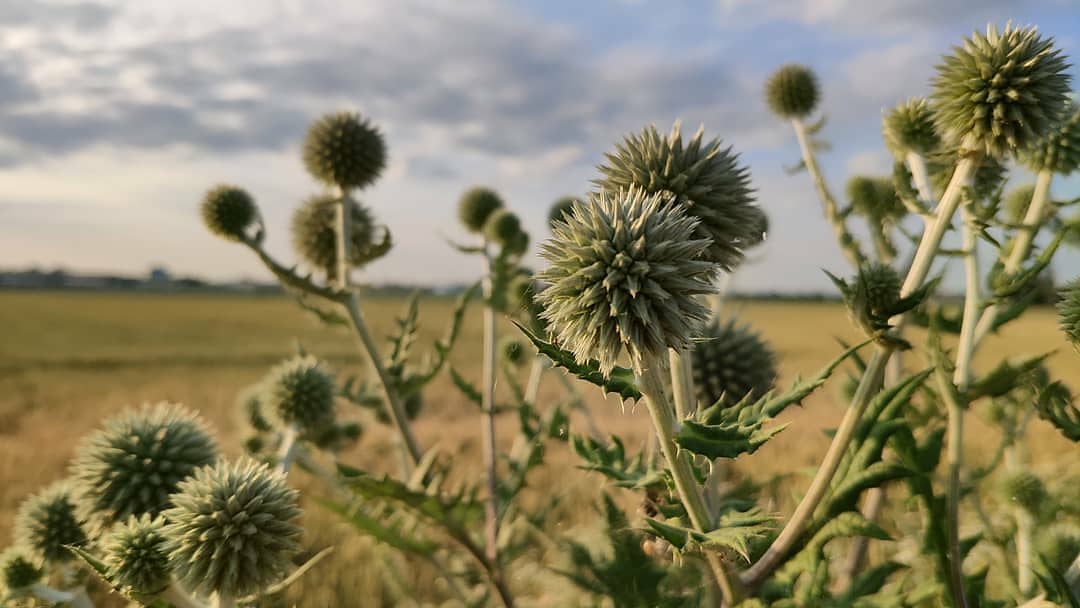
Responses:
[68,360]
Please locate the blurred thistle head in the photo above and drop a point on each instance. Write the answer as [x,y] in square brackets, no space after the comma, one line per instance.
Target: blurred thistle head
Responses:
[560,208]
[314,234]
[335,436]
[792,91]
[1005,90]
[344,150]
[1024,489]
[909,127]
[1016,203]
[875,197]
[761,231]
[1069,312]
[228,211]
[1059,544]
[476,206]
[705,179]
[731,361]
[250,406]
[134,553]
[19,568]
[625,270]
[513,350]
[1058,151]
[132,465]
[989,175]
[47,523]
[299,392]
[502,227]
[232,529]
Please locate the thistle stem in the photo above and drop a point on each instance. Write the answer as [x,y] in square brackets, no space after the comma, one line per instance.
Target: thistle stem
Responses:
[536,373]
[491,506]
[917,165]
[50,594]
[288,447]
[651,379]
[682,382]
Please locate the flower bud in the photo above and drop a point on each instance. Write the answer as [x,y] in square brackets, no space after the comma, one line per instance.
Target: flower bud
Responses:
[135,555]
[344,150]
[47,523]
[792,91]
[1025,489]
[228,211]
[1059,151]
[19,569]
[731,362]
[314,234]
[513,351]
[298,392]
[909,127]
[476,206]
[502,227]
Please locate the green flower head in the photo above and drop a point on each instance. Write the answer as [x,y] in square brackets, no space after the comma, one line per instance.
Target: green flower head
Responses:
[135,555]
[731,362]
[344,150]
[314,234]
[47,523]
[1059,150]
[705,179]
[1006,90]
[299,392]
[909,127]
[875,197]
[1069,312]
[233,529]
[228,211]
[513,350]
[19,568]
[476,206]
[625,271]
[792,91]
[502,227]
[560,208]
[1025,489]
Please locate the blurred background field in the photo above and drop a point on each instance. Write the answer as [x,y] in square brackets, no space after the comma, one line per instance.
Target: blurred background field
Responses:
[68,360]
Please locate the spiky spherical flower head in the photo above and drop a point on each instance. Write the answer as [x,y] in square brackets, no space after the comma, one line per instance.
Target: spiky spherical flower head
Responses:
[882,287]
[132,465]
[47,523]
[19,568]
[731,361]
[233,529]
[1017,201]
[513,350]
[135,555]
[1069,312]
[909,127]
[1005,90]
[228,211]
[476,206]
[560,208]
[703,178]
[249,403]
[314,233]
[502,227]
[792,91]
[299,392]
[1059,150]
[344,150]
[625,272]
[1024,489]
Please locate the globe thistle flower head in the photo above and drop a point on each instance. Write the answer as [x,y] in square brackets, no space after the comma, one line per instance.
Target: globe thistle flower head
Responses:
[909,127]
[233,529]
[873,297]
[314,234]
[1059,150]
[560,208]
[625,270]
[299,392]
[731,361]
[1005,90]
[132,465]
[344,150]
[135,555]
[1025,489]
[228,211]
[792,91]
[513,351]
[1069,312]
[47,523]
[249,404]
[705,179]
[502,227]
[19,568]
[476,206]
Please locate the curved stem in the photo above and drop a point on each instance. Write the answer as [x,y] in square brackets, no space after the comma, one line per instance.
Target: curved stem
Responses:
[917,165]
[682,382]
[536,373]
[288,448]
[491,506]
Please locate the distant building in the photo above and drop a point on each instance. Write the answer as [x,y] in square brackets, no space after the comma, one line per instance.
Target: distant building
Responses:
[159,277]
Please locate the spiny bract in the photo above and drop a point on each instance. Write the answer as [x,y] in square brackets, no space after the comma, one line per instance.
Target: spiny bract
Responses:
[792,91]
[731,361]
[47,522]
[705,179]
[625,271]
[133,464]
[1069,312]
[228,211]
[1025,489]
[314,233]
[19,568]
[560,208]
[909,127]
[1005,90]
[1059,151]
[135,555]
[298,392]
[232,529]
[344,150]
[476,206]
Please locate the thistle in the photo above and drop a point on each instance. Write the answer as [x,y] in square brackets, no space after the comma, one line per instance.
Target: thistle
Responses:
[135,556]
[344,150]
[298,392]
[875,197]
[314,233]
[1005,90]
[705,179]
[1059,151]
[503,227]
[1026,490]
[19,568]
[625,271]
[251,408]
[792,91]
[228,211]
[47,523]
[476,206]
[232,529]
[1069,312]
[132,465]
[513,351]
[873,298]
[1016,203]
[560,208]
[730,362]
[909,128]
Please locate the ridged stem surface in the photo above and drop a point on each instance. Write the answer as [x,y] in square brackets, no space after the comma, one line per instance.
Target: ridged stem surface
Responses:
[491,505]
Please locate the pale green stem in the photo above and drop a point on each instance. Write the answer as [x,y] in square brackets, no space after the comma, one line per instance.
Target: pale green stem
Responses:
[651,380]
[50,594]
[1025,523]
[682,382]
[536,373]
[917,165]
[287,451]
[491,506]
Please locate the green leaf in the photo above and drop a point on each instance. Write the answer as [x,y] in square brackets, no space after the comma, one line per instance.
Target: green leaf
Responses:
[391,533]
[300,571]
[847,493]
[849,523]
[869,582]
[724,440]
[612,462]
[620,382]
[471,392]
[733,532]
[1004,378]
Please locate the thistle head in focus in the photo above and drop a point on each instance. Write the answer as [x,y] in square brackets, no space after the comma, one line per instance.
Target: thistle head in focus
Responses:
[47,523]
[314,234]
[232,529]
[1069,312]
[228,211]
[792,91]
[625,272]
[299,392]
[135,555]
[1024,489]
[344,150]
[476,206]
[731,362]
[873,297]
[560,208]
[705,179]
[1005,90]
[19,569]
[909,128]
[132,465]
[1059,150]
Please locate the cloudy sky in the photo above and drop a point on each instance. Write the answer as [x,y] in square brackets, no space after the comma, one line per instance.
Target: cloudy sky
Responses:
[115,116]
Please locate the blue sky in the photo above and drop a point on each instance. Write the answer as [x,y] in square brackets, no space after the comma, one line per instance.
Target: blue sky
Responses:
[115,116]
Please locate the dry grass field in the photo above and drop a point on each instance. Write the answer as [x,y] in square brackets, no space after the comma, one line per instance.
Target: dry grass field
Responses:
[67,360]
